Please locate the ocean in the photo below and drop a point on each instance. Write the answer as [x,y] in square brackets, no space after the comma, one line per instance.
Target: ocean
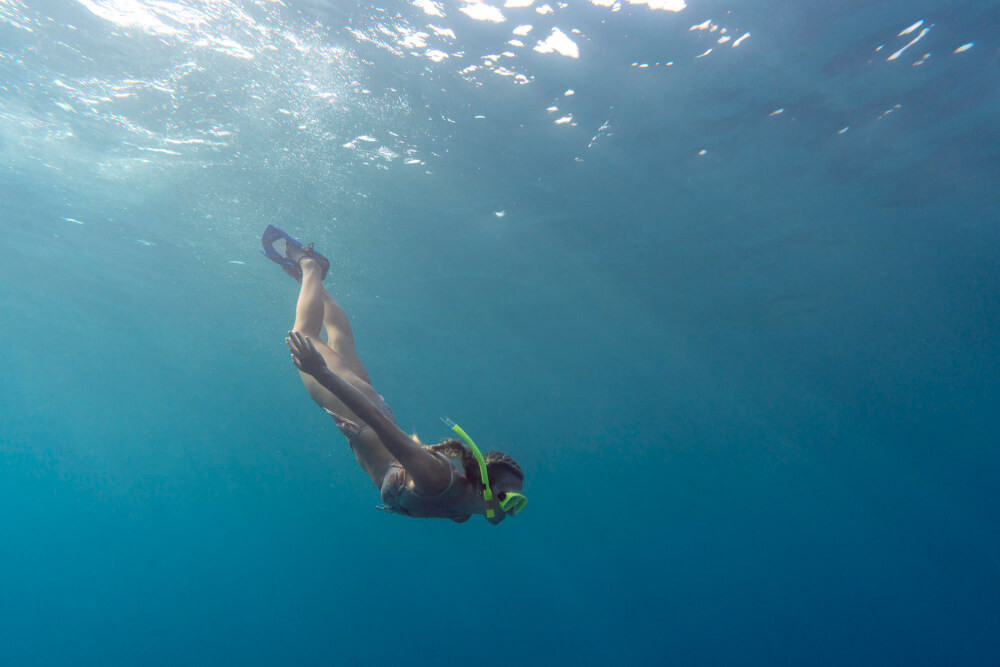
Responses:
[724,278]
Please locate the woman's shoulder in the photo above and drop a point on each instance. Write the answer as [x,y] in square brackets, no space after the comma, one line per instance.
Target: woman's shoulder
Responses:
[457,469]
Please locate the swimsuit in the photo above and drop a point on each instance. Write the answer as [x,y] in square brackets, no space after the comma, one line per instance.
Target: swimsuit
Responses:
[399,496]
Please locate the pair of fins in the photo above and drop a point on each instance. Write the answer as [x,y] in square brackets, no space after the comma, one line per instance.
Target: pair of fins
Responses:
[287,252]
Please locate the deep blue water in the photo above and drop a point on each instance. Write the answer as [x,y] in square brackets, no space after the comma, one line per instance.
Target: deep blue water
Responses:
[754,390]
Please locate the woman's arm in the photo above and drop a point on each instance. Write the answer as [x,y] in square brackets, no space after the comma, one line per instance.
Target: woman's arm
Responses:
[430,474]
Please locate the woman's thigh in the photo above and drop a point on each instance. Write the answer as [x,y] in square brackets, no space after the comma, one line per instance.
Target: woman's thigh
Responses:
[342,367]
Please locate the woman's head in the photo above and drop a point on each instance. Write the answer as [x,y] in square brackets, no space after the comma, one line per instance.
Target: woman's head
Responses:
[505,477]
[503,472]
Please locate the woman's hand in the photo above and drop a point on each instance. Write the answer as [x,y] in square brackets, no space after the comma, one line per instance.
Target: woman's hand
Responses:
[305,355]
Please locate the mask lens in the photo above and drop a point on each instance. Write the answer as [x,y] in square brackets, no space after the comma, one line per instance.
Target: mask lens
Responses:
[513,503]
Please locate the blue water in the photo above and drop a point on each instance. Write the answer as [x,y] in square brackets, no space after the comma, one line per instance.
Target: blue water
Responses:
[748,359]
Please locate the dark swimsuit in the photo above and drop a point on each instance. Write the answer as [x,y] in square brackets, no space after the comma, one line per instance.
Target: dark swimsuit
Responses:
[398,494]
[400,497]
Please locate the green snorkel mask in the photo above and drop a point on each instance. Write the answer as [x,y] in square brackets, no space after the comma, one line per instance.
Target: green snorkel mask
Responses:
[511,503]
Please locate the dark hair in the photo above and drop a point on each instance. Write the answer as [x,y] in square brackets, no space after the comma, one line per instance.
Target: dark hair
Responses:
[496,461]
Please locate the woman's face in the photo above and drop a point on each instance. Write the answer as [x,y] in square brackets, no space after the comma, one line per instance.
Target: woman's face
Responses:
[504,483]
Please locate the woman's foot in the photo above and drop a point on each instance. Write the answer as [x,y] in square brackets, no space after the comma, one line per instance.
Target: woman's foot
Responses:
[298,254]
[288,253]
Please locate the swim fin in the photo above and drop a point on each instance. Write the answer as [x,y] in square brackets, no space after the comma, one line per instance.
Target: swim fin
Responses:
[286,252]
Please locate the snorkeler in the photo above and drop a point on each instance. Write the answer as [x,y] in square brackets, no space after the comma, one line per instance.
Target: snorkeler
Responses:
[449,480]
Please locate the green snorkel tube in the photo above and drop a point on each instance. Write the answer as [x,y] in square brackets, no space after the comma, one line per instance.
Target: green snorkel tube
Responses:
[487,492]
[514,502]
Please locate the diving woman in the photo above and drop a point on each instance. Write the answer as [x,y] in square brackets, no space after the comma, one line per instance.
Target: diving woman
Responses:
[452,479]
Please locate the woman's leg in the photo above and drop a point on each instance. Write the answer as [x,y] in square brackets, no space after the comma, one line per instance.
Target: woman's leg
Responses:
[340,336]
[316,310]
[310,307]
